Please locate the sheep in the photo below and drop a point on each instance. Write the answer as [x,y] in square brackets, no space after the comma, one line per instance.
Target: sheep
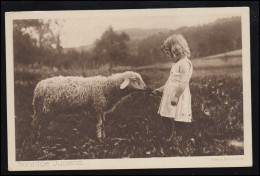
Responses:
[98,95]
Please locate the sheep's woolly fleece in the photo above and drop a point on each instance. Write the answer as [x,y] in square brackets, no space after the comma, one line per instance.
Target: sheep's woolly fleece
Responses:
[97,94]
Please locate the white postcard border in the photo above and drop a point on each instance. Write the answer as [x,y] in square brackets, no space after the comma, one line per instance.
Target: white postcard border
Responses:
[131,163]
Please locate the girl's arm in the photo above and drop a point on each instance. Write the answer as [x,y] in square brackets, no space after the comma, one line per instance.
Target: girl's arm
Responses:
[161,88]
[185,78]
[158,91]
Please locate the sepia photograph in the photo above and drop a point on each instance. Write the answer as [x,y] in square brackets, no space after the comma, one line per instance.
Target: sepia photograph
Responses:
[128,89]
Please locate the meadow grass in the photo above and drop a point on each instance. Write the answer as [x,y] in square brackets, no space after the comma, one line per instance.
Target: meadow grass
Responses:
[134,129]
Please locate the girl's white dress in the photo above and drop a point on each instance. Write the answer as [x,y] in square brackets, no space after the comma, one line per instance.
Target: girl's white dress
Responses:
[182,111]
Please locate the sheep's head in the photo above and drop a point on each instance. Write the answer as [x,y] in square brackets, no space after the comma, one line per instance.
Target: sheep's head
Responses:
[133,80]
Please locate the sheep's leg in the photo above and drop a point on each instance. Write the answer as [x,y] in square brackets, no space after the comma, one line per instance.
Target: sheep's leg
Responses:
[40,127]
[99,126]
[101,133]
[38,117]
[41,132]
[44,130]
[37,131]
[38,134]
[103,125]
[98,105]
[36,126]
[110,111]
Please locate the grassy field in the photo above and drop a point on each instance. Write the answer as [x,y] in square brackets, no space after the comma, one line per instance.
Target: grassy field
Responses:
[134,129]
[225,60]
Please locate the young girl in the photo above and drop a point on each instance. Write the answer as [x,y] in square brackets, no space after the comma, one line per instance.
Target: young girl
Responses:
[175,104]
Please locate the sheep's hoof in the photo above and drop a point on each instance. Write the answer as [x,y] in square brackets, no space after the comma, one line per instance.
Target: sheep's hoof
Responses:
[100,140]
[103,134]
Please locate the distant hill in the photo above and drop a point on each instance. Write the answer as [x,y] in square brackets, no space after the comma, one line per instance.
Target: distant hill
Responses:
[79,49]
[137,33]
[222,35]
[133,33]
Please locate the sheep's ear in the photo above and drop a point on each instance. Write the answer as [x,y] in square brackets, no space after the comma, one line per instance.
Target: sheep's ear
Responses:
[125,83]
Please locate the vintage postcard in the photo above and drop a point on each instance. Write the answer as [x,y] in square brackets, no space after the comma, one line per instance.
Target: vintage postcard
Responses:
[128,89]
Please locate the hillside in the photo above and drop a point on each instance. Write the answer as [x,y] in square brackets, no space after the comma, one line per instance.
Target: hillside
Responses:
[221,36]
[137,33]
[134,34]
[79,49]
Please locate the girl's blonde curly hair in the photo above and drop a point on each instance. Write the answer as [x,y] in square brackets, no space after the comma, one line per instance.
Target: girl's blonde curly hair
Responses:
[177,45]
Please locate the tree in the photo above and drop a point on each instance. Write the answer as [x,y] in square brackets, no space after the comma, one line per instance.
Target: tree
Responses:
[111,48]
[37,40]
[24,45]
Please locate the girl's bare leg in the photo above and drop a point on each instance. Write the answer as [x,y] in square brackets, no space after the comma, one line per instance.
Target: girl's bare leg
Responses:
[168,128]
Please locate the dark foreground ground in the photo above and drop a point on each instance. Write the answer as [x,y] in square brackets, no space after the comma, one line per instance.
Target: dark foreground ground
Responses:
[134,129]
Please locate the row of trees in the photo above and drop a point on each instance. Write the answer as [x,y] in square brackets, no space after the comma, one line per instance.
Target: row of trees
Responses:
[38,41]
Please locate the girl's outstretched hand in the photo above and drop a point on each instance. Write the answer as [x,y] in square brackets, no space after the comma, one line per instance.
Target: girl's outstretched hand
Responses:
[157,92]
